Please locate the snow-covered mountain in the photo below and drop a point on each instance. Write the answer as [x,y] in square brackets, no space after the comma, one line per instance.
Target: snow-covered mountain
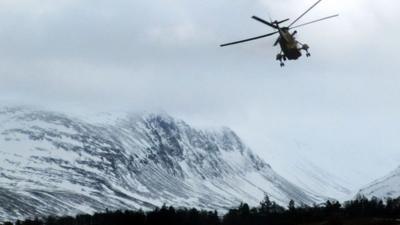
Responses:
[314,179]
[386,187]
[51,163]
[297,162]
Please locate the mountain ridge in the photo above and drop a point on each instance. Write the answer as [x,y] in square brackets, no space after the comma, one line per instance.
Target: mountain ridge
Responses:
[52,163]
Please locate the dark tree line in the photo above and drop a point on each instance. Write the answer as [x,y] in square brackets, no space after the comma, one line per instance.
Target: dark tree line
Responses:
[159,216]
[267,213]
[331,212]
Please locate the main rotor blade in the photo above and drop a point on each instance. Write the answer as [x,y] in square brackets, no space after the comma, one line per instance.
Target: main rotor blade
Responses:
[314,21]
[264,22]
[308,10]
[282,21]
[249,39]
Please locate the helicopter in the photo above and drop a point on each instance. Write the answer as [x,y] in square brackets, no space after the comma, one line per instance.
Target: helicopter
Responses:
[290,47]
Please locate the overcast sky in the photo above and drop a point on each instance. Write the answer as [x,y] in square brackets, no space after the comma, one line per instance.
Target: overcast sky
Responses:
[339,108]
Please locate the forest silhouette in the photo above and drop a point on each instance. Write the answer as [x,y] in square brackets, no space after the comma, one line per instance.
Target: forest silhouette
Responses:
[359,211]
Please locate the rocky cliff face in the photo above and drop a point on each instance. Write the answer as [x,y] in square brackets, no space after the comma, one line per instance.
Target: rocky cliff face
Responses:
[51,163]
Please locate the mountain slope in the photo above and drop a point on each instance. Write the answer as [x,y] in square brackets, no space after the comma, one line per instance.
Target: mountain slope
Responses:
[314,179]
[388,186]
[51,163]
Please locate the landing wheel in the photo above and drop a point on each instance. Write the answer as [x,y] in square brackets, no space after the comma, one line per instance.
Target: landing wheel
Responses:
[308,54]
[282,64]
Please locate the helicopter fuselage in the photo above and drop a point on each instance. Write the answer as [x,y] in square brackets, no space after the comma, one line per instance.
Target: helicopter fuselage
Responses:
[288,44]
